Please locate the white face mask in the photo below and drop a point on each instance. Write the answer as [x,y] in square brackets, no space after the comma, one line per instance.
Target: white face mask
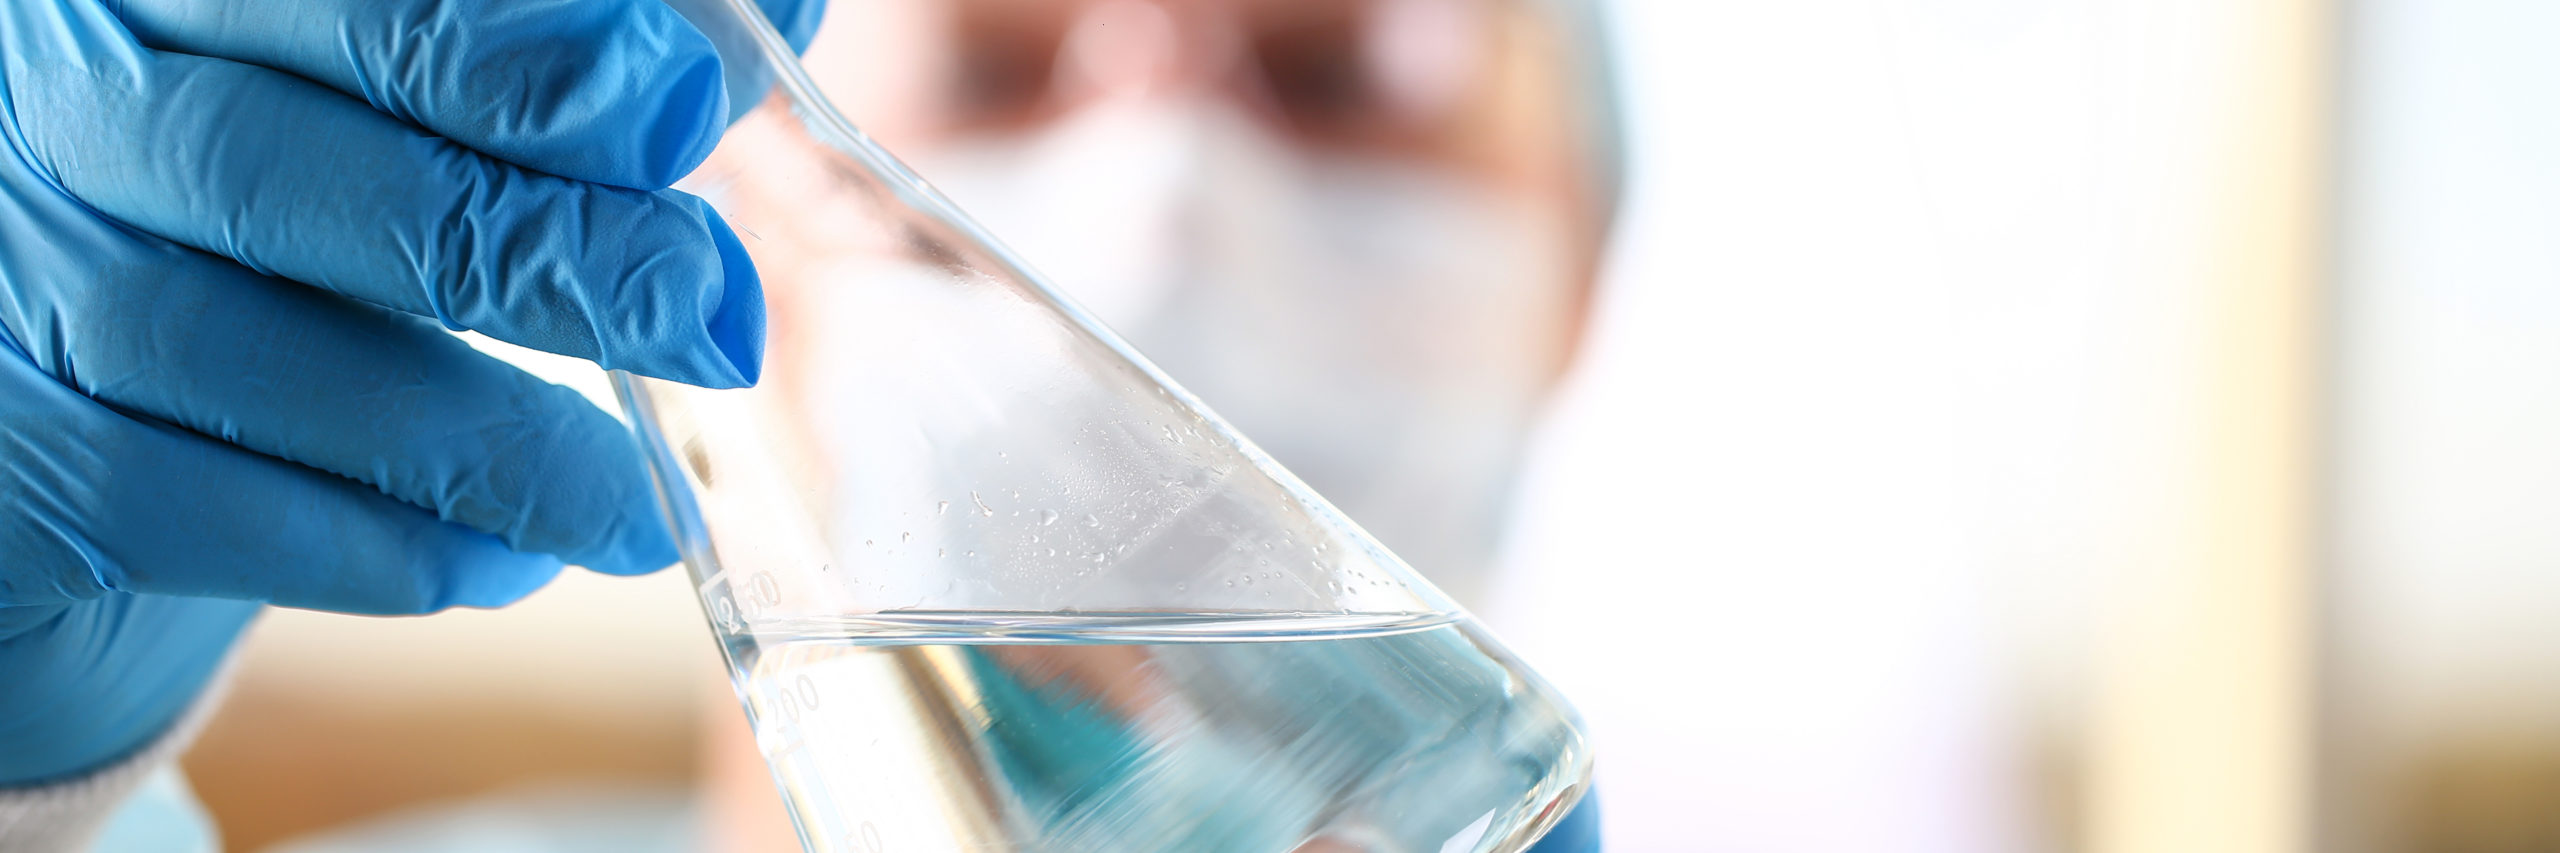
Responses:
[1382,330]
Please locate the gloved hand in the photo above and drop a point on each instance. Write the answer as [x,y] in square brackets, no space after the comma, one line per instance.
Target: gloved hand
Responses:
[229,231]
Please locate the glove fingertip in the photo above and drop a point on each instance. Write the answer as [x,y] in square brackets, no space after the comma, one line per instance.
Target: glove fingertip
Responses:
[494,576]
[637,545]
[736,321]
[688,125]
[685,314]
[797,20]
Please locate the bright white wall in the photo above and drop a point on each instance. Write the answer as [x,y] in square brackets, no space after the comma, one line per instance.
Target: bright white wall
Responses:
[1895,391]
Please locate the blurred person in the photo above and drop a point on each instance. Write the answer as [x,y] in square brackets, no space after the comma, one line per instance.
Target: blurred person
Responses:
[1365,231]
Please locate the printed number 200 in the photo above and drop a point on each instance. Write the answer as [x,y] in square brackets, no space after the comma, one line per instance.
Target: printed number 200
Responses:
[796,698]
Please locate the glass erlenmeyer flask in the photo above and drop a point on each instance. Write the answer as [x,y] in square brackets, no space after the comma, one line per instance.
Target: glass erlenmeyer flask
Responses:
[987,580]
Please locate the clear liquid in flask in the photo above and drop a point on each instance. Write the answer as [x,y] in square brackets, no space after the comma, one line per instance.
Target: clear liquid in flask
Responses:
[1251,733]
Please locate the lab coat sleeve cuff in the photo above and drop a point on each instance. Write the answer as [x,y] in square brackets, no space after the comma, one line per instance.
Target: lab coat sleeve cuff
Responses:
[65,815]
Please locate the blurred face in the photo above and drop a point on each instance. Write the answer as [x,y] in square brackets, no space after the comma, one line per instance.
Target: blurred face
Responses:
[1362,230]
[1471,86]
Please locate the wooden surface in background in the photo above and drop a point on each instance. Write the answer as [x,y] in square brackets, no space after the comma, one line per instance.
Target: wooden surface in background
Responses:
[276,763]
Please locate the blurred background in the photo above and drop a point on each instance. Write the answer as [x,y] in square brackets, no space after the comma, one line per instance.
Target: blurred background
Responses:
[1999,425]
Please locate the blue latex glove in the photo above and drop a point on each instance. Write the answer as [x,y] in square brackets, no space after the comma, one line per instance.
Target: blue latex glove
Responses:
[232,233]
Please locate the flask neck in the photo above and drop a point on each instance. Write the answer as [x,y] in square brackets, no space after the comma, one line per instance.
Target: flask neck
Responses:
[762,71]
[739,30]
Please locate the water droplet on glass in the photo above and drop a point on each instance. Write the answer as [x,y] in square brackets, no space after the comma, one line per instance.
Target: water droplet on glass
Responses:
[1048,517]
[968,553]
[1090,521]
[983,509]
[939,553]
[905,535]
[940,507]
